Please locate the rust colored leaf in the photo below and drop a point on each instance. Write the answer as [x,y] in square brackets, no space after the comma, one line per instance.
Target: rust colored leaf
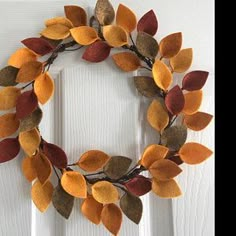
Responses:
[53,42]
[176,159]
[76,15]
[56,32]
[28,169]
[9,124]
[104,12]
[9,149]
[59,20]
[8,97]
[8,76]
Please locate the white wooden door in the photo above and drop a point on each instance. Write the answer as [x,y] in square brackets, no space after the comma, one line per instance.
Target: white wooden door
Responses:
[96,106]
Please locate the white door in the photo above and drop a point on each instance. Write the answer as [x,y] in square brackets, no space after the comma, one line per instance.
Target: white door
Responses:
[96,106]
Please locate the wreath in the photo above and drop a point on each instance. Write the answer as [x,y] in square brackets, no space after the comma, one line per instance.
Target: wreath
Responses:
[103,180]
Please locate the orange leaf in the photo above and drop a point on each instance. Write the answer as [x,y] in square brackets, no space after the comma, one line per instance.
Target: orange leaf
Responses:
[9,124]
[126,18]
[92,209]
[194,153]
[8,97]
[76,15]
[59,20]
[74,184]
[153,153]
[112,218]
[44,87]
[93,160]
[56,32]
[42,195]
[28,169]
[193,101]
[105,192]
[127,61]
[21,56]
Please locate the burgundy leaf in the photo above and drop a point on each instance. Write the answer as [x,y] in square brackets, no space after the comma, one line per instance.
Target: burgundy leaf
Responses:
[26,104]
[148,23]
[174,100]
[9,149]
[97,52]
[139,185]
[176,159]
[194,80]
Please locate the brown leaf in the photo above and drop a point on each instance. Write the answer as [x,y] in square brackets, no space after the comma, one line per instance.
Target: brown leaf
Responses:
[8,97]
[176,159]
[9,149]
[104,12]
[56,32]
[28,169]
[8,76]
[76,15]
[9,124]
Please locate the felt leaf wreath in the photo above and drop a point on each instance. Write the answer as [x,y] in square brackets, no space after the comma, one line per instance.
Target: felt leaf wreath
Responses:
[101,180]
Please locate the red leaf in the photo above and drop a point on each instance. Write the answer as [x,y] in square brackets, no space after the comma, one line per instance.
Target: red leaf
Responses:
[55,154]
[26,104]
[9,149]
[175,100]
[148,23]
[194,80]
[139,185]
[97,52]
[38,45]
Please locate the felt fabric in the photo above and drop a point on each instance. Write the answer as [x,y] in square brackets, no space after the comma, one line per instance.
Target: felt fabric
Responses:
[76,15]
[9,124]
[8,97]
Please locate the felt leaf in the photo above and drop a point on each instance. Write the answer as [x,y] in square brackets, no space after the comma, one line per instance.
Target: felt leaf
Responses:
[176,159]
[157,116]
[117,166]
[38,45]
[76,15]
[162,75]
[22,56]
[29,71]
[148,23]
[56,32]
[104,12]
[197,121]
[152,153]
[26,103]
[30,141]
[62,201]
[97,52]
[174,137]
[84,35]
[9,149]
[8,97]
[115,35]
[193,101]
[194,80]
[53,42]
[93,160]
[194,153]
[147,45]
[105,192]
[139,185]
[55,154]
[32,121]
[166,188]
[74,184]
[42,195]
[44,87]
[9,124]
[92,209]
[8,76]
[146,86]
[28,168]
[164,169]
[182,61]
[126,18]
[112,218]
[59,20]
[126,61]
[171,45]
[174,100]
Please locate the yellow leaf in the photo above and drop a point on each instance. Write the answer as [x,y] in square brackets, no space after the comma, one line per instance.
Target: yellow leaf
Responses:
[127,61]
[157,116]
[28,169]
[162,75]
[59,20]
[194,153]
[105,192]
[84,35]
[166,188]
[8,97]
[115,35]
[21,56]
[171,45]
[126,18]
[153,153]
[193,101]
[30,141]
[42,195]
[74,184]
[44,87]
[9,124]
[93,160]
[182,61]
[56,32]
